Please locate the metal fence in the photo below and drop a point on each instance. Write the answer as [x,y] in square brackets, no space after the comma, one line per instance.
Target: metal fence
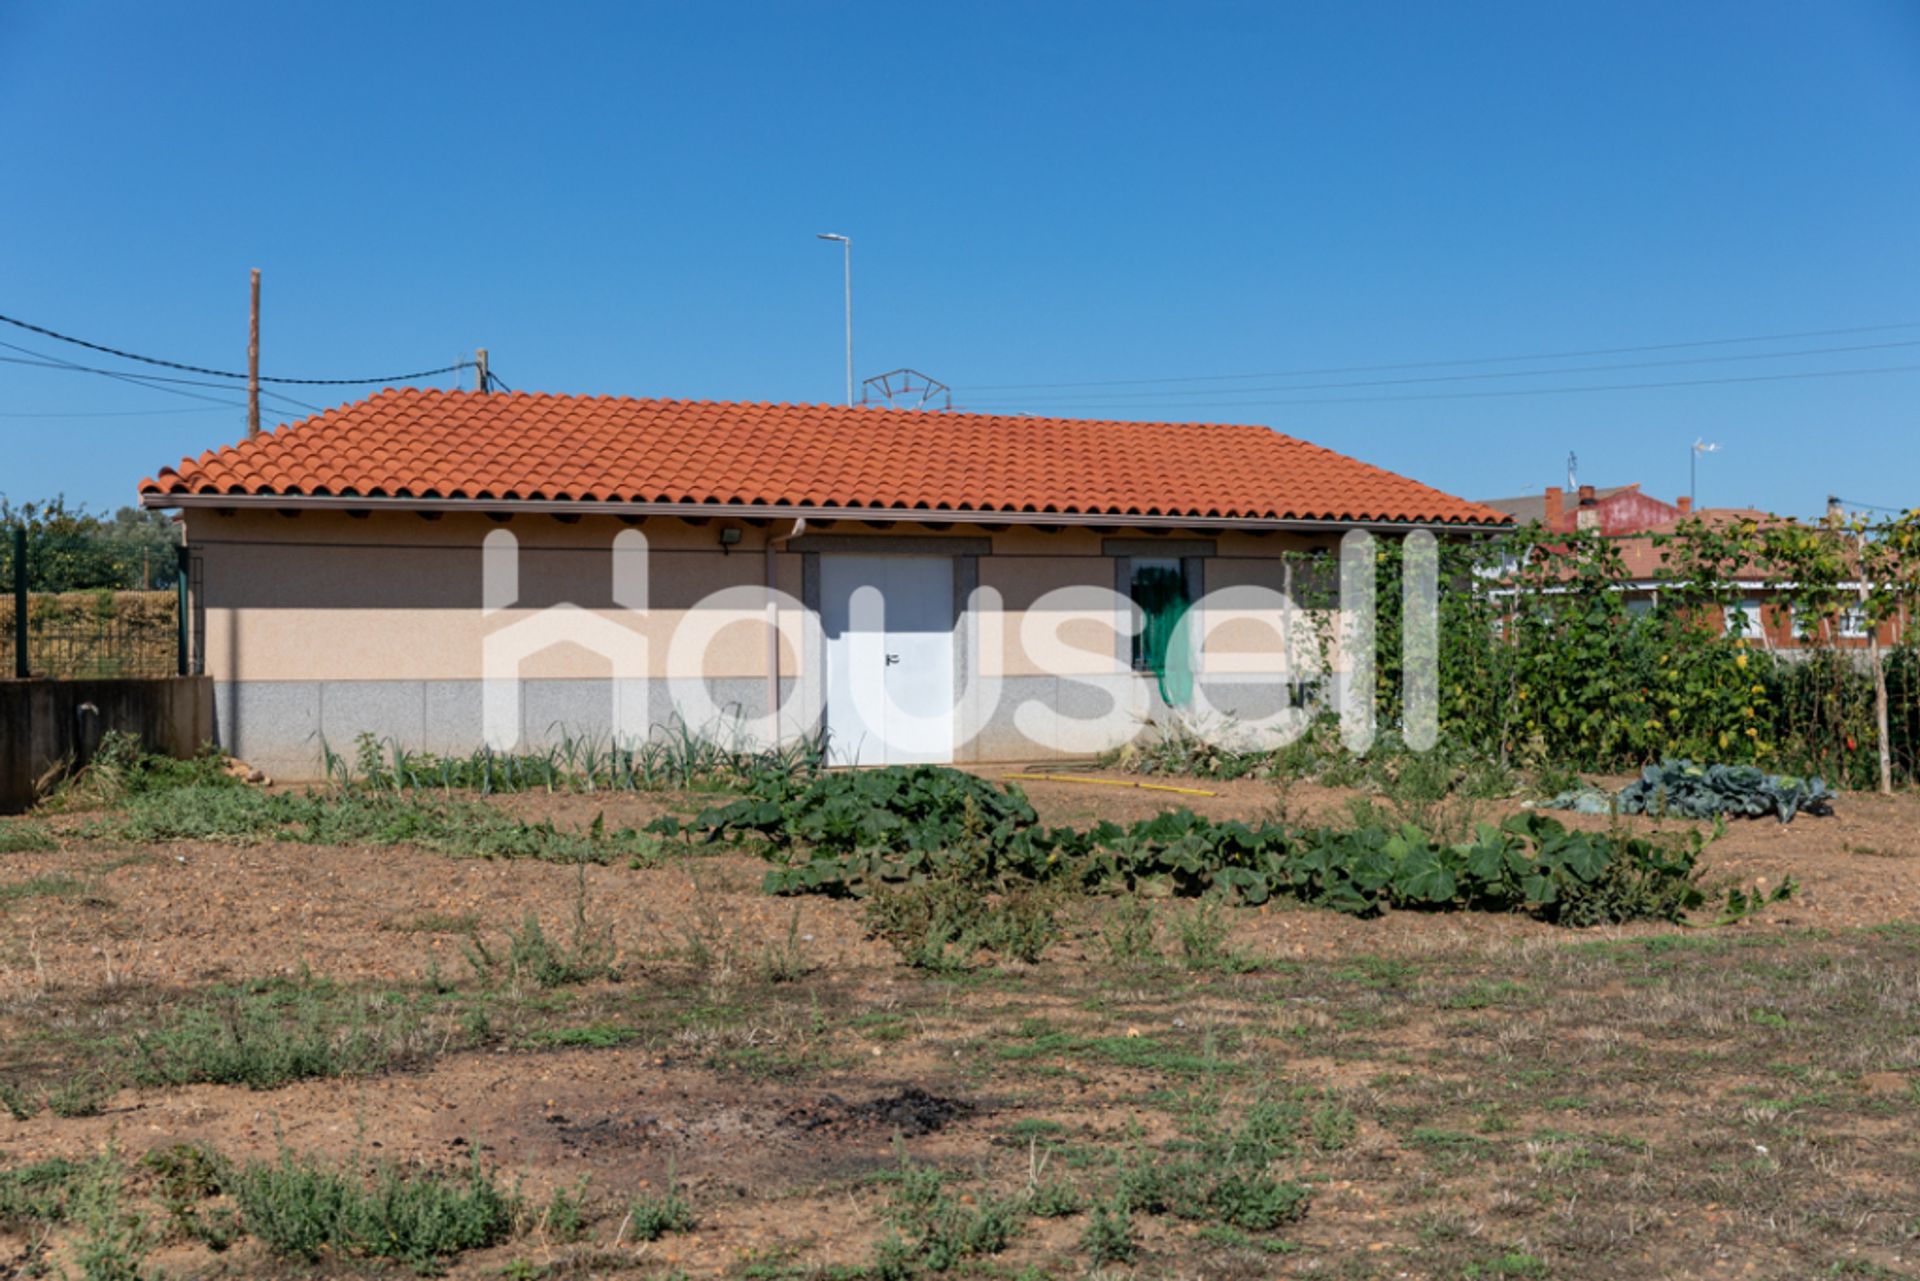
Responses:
[91,605]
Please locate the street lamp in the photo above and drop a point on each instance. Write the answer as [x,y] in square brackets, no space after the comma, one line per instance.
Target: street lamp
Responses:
[1693,466]
[846,263]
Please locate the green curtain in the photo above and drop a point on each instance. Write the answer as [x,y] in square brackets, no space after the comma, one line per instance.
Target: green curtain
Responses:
[1161,644]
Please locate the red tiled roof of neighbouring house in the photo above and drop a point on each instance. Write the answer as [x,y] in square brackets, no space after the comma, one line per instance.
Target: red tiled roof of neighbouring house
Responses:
[517,447]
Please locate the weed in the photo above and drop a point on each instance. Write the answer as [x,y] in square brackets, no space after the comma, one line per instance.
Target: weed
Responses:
[532,957]
[184,1176]
[41,1192]
[1108,1236]
[1203,936]
[15,1101]
[565,1218]
[651,1217]
[935,1232]
[1332,1127]
[1054,1199]
[110,1245]
[78,1096]
[1128,933]
[786,961]
[267,1039]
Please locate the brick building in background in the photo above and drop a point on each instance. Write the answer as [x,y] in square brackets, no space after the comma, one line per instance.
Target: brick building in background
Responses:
[1637,519]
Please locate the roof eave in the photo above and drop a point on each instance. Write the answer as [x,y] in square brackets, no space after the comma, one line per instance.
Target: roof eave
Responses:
[576,507]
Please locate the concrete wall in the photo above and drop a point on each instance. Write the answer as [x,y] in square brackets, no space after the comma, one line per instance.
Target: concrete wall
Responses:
[47,726]
[320,626]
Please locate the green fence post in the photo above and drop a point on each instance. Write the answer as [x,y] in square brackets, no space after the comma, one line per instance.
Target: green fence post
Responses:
[180,637]
[21,668]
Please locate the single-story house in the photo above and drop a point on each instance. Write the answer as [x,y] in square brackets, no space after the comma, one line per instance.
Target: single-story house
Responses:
[446,569]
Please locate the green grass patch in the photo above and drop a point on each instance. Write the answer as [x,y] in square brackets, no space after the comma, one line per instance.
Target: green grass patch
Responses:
[19,836]
[65,887]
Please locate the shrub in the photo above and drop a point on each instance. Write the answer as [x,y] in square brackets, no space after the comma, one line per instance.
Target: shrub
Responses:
[122,767]
[303,1209]
[940,923]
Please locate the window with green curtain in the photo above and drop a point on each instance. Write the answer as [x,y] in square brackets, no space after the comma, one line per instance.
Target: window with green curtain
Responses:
[1159,591]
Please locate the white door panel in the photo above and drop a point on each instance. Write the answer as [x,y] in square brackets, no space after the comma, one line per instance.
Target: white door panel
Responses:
[889,630]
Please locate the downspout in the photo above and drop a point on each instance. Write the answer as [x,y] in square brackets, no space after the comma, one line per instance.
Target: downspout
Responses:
[773,546]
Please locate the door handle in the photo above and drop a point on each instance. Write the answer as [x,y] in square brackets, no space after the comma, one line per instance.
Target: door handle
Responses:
[892,659]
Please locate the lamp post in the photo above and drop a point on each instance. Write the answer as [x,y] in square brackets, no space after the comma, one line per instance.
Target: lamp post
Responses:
[846,264]
[1698,448]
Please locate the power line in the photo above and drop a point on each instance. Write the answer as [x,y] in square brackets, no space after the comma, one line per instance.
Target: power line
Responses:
[54,362]
[1876,507]
[1555,391]
[139,381]
[223,373]
[118,413]
[1119,397]
[1439,364]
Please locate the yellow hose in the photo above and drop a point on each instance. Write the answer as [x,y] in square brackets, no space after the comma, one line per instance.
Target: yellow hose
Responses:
[1114,782]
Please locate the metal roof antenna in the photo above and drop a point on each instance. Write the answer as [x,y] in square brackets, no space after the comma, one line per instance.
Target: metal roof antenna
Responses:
[906,389]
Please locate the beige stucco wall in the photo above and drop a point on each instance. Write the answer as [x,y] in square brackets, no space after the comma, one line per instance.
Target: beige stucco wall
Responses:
[326,596]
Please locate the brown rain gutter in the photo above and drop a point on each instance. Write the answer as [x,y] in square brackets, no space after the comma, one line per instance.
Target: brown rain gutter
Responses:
[773,546]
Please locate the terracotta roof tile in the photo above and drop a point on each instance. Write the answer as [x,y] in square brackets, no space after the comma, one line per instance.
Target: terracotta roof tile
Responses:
[507,447]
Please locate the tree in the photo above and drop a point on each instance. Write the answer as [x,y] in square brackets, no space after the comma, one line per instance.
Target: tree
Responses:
[72,549]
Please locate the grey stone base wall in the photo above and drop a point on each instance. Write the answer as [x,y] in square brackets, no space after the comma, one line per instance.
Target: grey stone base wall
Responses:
[1034,718]
[286,727]
[283,726]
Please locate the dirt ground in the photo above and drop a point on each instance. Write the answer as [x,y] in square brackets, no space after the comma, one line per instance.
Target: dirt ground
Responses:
[1475,1095]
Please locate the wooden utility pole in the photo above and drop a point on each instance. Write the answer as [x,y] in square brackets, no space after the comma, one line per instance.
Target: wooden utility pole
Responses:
[253,359]
[480,369]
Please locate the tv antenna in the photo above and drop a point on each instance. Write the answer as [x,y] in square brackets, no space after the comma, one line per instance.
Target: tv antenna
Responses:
[906,389]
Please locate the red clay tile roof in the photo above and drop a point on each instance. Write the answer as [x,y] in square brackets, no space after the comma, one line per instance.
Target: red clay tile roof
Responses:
[427,444]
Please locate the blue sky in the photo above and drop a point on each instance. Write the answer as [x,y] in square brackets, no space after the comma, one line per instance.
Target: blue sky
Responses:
[623,198]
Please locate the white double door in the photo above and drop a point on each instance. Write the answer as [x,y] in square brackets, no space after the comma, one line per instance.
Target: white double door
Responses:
[888,622]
